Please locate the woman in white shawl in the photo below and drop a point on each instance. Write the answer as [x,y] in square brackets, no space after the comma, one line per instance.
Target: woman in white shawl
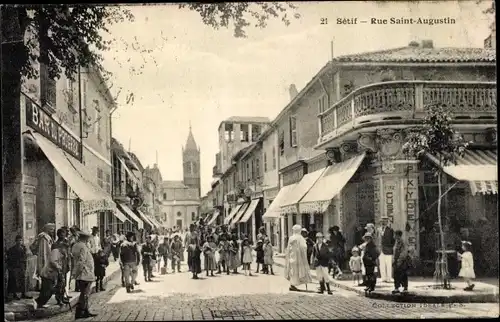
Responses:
[296,265]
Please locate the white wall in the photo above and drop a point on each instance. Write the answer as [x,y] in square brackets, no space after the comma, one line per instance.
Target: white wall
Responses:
[271,176]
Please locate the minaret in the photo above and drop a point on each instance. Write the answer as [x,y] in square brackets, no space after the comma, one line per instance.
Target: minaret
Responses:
[191,163]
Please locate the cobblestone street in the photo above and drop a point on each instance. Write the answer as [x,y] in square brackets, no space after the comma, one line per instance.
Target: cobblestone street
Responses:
[177,297]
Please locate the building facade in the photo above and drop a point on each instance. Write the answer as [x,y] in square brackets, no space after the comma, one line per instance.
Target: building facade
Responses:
[376,99]
[180,200]
[338,150]
[61,170]
[236,133]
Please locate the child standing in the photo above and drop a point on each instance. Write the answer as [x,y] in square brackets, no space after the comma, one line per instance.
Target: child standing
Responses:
[209,249]
[268,256]
[223,255]
[247,259]
[16,265]
[467,270]
[100,263]
[259,249]
[355,265]
[164,252]
[234,254]
[194,259]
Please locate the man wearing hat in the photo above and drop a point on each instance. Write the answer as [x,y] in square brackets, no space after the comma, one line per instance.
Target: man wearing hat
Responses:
[321,256]
[386,240]
[129,258]
[83,273]
[370,262]
[42,246]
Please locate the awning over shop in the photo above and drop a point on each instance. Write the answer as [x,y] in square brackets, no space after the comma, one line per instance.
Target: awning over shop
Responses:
[240,213]
[479,167]
[227,220]
[329,185]
[274,210]
[118,214]
[302,187]
[131,214]
[125,166]
[146,219]
[249,212]
[156,222]
[93,198]
[213,218]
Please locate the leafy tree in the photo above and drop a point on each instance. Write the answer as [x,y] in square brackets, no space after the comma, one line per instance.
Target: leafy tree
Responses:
[436,137]
[67,37]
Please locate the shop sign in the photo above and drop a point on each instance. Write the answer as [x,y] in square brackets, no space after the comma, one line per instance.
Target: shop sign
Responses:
[411,195]
[390,199]
[43,123]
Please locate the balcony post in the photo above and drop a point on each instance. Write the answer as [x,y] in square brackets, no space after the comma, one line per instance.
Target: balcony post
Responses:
[419,98]
[320,126]
[335,118]
[352,112]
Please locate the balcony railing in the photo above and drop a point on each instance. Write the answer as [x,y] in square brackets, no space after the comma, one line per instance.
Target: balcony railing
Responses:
[407,100]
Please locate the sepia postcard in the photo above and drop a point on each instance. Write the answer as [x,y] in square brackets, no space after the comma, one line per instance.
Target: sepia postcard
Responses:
[249,160]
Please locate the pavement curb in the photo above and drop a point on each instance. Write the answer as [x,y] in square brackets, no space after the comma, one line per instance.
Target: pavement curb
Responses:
[412,298]
[52,310]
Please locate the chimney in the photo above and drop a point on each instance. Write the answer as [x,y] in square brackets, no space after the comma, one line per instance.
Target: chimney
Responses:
[427,44]
[414,44]
[293,91]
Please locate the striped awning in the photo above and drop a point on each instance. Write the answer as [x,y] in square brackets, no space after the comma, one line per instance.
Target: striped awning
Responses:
[249,211]
[239,214]
[213,217]
[478,167]
[228,219]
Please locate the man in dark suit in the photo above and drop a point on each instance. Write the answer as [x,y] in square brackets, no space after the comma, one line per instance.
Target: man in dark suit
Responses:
[386,247]
[321,257]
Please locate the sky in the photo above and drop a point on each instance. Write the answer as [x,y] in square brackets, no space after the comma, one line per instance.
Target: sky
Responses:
[195,74]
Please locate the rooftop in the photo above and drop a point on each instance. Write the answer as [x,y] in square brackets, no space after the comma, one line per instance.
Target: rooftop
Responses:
[174,184]
[424,52]
[246,119]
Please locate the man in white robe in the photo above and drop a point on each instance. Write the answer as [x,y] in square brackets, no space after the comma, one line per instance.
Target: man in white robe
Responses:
[296,265]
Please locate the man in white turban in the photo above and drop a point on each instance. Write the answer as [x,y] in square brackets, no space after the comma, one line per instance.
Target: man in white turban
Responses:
[296,265]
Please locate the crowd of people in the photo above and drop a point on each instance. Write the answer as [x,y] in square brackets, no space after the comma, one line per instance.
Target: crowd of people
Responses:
[66,257]
[223,251]
[379,252]
[75,255]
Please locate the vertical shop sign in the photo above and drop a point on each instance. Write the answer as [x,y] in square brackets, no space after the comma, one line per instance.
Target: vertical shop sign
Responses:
[390,199]
[376,199]
[411,194]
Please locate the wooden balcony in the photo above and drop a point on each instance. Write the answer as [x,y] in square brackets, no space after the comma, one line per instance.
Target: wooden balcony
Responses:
[406,100]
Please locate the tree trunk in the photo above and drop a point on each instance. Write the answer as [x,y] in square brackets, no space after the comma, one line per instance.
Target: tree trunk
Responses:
[440,222]
[12,53]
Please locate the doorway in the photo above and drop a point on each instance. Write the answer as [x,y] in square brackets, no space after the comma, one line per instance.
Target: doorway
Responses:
[179,223]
